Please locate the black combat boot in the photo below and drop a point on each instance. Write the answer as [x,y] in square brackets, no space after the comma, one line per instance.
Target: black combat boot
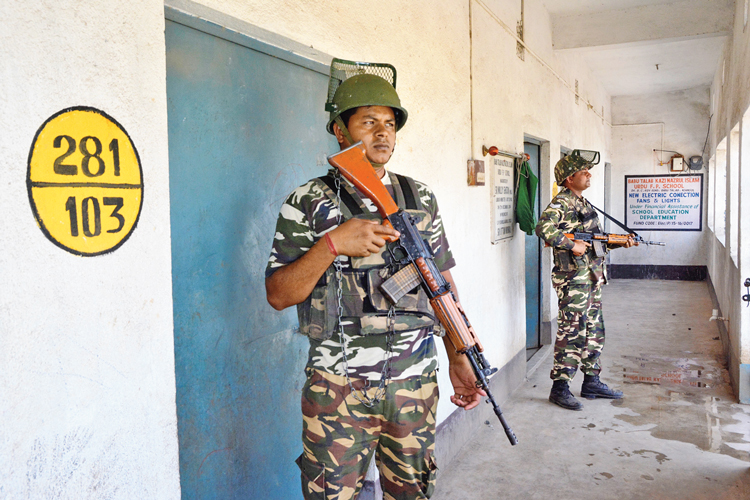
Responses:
[561,396]
[593,388]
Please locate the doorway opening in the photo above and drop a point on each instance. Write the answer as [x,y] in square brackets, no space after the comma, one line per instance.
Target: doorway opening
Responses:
[533,260]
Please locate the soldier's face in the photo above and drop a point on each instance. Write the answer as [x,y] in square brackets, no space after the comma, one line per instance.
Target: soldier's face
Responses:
[375,126]
[580,180]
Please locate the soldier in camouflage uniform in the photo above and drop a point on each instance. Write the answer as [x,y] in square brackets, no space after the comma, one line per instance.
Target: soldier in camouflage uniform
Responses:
[577,277]
[371,372]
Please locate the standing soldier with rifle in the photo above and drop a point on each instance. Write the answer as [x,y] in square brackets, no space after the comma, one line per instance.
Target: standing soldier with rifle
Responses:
[371,373]
[577,277]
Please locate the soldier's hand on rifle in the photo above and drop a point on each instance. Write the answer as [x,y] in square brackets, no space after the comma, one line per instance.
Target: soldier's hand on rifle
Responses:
[580,247]
[466,393]
[631,242]
[360,238]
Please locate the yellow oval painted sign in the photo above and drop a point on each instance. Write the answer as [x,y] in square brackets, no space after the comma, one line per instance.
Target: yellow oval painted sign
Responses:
[85,181]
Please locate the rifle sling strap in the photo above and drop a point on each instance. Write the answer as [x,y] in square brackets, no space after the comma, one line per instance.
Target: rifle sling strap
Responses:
[410,193]
[346,197]
[626,228]
[404,189]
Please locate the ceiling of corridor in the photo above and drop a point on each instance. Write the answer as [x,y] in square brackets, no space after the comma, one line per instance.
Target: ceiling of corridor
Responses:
[644,46]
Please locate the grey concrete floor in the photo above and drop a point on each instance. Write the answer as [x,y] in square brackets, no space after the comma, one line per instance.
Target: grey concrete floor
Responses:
[678,433]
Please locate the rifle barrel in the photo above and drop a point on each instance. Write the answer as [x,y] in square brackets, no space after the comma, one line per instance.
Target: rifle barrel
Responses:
[485,385]
[639,239]
[508,431]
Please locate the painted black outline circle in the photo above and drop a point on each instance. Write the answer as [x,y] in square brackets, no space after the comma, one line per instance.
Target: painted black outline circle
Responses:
[39,221]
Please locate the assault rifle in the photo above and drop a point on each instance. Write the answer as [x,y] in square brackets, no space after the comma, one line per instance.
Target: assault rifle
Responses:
[598,240]
[420,269]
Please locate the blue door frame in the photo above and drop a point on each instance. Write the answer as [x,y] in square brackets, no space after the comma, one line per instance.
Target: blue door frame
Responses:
[533,253]
[245,128]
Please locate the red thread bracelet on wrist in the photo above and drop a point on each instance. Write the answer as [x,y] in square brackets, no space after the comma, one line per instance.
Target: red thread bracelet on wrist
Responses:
[330,245]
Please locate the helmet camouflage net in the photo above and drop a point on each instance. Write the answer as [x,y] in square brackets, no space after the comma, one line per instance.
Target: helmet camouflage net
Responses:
[343,70]
[587,155]
[579,159]
[355,84]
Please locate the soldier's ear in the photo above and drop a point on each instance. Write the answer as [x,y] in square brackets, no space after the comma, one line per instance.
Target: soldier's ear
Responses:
[338,133]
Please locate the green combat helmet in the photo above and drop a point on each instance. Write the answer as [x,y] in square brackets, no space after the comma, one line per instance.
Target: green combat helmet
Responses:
[355,84]
[579,159]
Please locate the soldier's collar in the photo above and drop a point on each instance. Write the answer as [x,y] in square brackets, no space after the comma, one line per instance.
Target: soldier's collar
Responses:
[570,192]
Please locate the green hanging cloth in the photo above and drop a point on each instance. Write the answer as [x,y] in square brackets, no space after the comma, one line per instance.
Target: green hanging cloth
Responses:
[525,197]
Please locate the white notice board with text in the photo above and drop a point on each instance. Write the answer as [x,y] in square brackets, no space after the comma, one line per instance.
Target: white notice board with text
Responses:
[664,202]
[503,197]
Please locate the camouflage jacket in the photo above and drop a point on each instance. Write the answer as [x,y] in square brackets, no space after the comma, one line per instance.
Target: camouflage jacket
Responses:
[567,213]
[309,212]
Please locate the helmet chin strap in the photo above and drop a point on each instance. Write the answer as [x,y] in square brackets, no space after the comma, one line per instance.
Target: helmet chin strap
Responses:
[344,130]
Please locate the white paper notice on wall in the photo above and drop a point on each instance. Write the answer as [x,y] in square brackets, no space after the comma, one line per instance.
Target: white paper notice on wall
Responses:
[503,196]
[664,202]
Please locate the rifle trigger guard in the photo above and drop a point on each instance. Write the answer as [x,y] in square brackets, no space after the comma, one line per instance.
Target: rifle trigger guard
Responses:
[398,252]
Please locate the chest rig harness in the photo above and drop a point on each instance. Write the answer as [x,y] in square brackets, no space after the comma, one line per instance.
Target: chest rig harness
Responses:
[348,298]
[586,220]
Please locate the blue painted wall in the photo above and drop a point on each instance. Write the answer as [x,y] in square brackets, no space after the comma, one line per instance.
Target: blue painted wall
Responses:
[245,129]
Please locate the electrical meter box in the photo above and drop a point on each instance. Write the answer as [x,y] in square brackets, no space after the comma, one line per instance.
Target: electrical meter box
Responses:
[677,164]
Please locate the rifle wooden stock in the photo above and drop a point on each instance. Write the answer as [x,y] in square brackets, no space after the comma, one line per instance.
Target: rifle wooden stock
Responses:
[457,328]
[608,238]
[597,239]
[450,313]
[354,165]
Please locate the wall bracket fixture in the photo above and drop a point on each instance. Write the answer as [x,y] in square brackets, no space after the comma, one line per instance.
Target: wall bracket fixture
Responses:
[493,151]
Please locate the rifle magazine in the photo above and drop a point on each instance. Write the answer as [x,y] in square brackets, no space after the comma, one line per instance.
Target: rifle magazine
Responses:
[599,249]
[401,283]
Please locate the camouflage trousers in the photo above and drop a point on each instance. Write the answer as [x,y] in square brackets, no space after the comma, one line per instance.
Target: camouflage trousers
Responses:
[340,434]
[580,330]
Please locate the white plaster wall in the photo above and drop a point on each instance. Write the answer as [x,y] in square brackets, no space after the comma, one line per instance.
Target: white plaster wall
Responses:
[87,387]
[534,97]
[676,121]
[730,100]
[429,43]
[743,206]
[718,256]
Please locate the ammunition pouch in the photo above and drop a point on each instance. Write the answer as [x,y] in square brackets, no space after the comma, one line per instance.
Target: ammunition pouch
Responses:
[365,310]
[319,312]
[565,261]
